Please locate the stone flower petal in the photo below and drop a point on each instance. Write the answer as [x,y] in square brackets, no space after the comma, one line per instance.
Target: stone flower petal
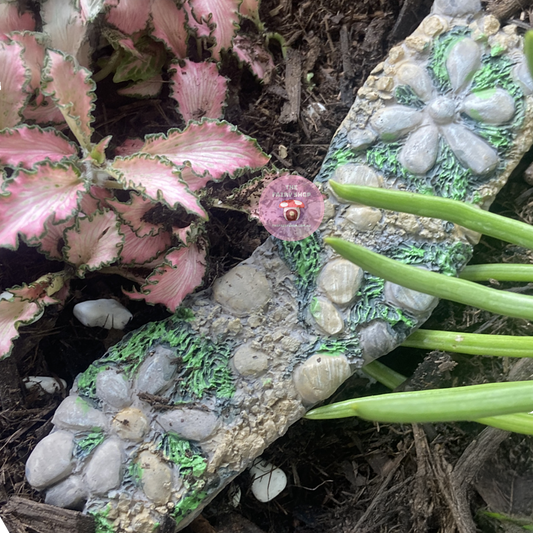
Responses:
[462,62]
[523,77]
[492,106]
[394,122]
[471,150]
[456,8]
[417,78]
[420,151]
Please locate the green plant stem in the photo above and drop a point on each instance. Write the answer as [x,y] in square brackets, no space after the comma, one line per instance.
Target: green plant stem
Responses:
[385,375]
[457,290]
[471,343]
[473,402]
[499,272]
[109,67]
[470,217]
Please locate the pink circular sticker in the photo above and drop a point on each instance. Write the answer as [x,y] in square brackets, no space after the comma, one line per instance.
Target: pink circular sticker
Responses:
[291,208]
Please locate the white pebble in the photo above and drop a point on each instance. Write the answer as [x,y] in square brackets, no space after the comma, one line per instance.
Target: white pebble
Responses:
[108,314]
[45,384]
[268,480]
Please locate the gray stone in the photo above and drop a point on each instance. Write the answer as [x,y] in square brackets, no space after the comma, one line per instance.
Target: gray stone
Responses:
[191,424]
[442,110]
[326,316]
[340,279]
[250,362]
[355,174]
[456,8]
[113,388]
[377,339]
[493,106]
[157,371]
[131,424]
[522,75]
[415,302]
[51,460]
[76,414]
[104,471]
[320,376]
[156,478]
[69,494]
[362,217]
[395,121]
[419,153]
[418,79]
[243,290]
[360,139]
[463,60]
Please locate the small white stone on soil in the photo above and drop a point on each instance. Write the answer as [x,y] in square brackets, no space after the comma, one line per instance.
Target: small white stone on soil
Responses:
[102,313]
[69,494]
[130,424]
[340,280]
[268,480]
[250,362]
[156,478]
[45,384]
[326,316]
[51,460]
[76,414]
[104,471]
[113,388]
[191,424]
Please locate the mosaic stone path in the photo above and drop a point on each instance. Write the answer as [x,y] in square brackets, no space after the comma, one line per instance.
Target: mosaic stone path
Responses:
[154,429]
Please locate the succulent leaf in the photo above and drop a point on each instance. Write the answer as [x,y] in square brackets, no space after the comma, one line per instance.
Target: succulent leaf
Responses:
[50,191]
[215,147]
[255,55]
[169,26]
[129,16]
[157,178]
[144,89]
[94,242]
[72,90]
[28,145]
[132,213]
[11,20]
[168,285]
[140,250]
[15,76]
[199,90]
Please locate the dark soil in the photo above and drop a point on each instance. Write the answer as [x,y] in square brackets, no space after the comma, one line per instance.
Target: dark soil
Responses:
[346,476]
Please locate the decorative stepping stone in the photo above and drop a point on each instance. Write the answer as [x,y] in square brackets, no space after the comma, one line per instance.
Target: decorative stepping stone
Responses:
[186,404]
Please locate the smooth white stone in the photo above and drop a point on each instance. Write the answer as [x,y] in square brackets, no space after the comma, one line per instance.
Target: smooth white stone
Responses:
[418,79]
[523,77]
[156,478]
[156,372]
[45,384]
[113,388]
[415,302]
[463,61]
[104,471]
[76,414]
[69,494]
[442,110]
[362,217]
[456,8]
[130,424]
[493,106]
[51,460]
[471,150]
[419,153]
[108,314]
[320,376]
[249,361]
[243,290]
[355,174]
[394,122]
[6,295]
[191,424]
[268,481]
[326,316]
[340,280]
[376,339]
[360,139]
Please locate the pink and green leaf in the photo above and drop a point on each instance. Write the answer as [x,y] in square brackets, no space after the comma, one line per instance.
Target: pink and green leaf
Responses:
[133,212]
[129,147]
[255,55]
[170,284]
[28,145]
[130,16]
[72,89]
[210,146]
[11,20]
[250,9]
[94,242]
[140,250]
[199,90]
[90,9]
[97,153]
[51,190]
[145,64]
[144,89]
[96,199]
[32,55]
[14,77]
[194,181]
[46,112]
[52,242]
[168,21]
[157,178]
[199,28]
[223,15]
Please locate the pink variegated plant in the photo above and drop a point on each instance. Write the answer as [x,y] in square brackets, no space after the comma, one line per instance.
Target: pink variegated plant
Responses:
[59,196]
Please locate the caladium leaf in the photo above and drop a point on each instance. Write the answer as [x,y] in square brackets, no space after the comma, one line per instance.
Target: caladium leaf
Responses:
[32,55]
[144,89]
[255,55]
[144,64]
[130,16]
[215,147]
[129,147]
[139,250]
[133,212]
[223,15]
[72,89]
[29,145]
[168,21]
[168,285]
[199,90]
[94,242]
[50,188]
[156,178]
[14,76]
